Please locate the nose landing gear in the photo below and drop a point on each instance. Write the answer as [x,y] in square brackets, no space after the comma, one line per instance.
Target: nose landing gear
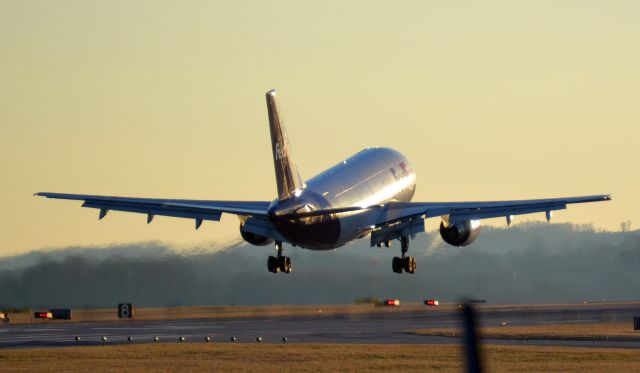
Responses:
[279,263]
[405,263]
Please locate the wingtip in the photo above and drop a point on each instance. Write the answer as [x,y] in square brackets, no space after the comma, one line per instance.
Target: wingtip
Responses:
[272,93]
[608,197]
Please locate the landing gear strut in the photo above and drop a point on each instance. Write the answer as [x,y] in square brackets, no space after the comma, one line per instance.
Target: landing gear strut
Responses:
[279,263]
[406,263]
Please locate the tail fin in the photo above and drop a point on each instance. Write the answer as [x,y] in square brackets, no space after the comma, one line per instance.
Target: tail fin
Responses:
[287,175]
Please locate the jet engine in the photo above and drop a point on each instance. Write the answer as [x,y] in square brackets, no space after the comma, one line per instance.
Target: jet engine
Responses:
[461,233]
[254,239]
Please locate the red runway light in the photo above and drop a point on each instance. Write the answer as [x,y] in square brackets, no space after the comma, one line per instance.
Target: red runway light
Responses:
[43,315]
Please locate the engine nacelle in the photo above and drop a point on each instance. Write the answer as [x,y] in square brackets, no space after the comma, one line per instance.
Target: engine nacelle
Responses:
[461,233]
[254,239]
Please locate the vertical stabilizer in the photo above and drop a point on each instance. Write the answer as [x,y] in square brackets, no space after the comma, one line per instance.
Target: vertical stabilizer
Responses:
[287,175]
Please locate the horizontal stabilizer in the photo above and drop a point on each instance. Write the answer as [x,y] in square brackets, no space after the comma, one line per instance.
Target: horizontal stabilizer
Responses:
[308,214]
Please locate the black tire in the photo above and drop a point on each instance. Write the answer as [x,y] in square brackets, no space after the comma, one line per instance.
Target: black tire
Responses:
[409,264]
[396,264]
[285,264]
[288,267]
[272,264]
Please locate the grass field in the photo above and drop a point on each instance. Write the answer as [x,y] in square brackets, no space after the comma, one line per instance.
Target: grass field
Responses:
[621,331]
[312,358]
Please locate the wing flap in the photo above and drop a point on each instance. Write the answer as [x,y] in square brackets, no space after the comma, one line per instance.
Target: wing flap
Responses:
[388,232]
[154,210]
[496,212]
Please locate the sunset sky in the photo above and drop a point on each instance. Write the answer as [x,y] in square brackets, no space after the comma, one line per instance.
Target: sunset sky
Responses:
[489,100]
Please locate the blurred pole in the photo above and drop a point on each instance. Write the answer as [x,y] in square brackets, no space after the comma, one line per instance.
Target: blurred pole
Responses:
[471,339]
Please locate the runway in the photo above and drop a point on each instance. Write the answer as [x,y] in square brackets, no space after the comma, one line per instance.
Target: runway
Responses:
[388,327]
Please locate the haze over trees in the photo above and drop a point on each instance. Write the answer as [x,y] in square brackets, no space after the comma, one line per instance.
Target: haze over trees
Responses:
[527,263]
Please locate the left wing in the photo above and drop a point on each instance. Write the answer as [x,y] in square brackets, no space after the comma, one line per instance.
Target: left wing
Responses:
[198,210]
[397,219]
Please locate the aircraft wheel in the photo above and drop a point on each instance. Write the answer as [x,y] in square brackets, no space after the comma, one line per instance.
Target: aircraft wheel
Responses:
[285,264]
[409,264]
[396,264]
[272,264]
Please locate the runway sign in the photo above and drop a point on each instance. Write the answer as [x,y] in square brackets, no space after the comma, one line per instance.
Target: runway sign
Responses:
[125,310]
[61,313]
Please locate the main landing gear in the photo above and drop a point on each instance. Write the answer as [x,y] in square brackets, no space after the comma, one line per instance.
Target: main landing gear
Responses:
[406,263]
[279,263]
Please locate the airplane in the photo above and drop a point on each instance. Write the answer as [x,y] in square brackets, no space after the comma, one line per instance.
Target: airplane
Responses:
[367,194]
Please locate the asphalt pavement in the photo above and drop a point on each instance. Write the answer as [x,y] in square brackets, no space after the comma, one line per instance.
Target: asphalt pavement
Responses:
[389,327]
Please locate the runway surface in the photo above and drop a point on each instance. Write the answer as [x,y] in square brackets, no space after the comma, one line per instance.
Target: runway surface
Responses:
[388,327]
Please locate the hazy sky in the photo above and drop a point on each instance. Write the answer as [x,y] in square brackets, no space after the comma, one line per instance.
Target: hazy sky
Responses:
[489,100]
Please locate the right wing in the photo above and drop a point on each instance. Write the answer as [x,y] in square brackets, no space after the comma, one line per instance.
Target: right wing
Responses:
[397,219]
[460,211]
[198,210]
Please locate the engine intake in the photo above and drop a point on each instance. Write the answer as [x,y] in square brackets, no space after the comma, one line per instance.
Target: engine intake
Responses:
[461,233]
[254,239]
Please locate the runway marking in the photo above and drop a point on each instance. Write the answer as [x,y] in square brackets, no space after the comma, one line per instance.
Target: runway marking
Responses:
[568,321]
[43,329]
[153,327]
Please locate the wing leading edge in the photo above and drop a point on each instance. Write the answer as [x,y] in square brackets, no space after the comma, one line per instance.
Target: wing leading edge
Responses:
[462,211]
[180,208]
